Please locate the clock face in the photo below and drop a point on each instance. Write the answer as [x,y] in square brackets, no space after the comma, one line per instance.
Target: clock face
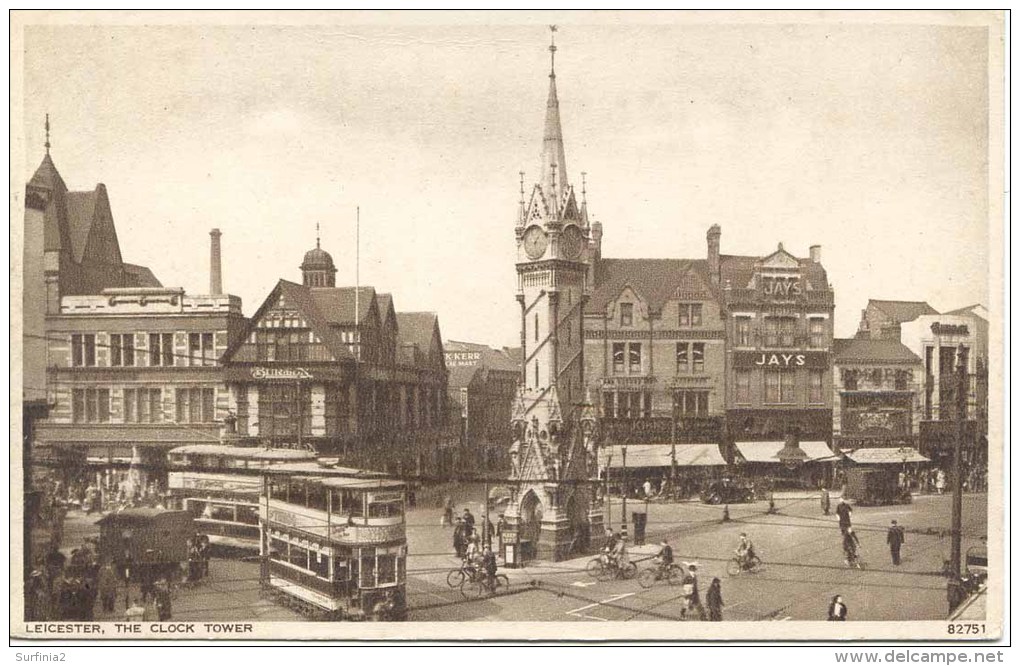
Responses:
[535,241]
[571,242]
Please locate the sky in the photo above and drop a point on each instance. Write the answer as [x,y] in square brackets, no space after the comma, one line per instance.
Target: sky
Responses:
[870,140]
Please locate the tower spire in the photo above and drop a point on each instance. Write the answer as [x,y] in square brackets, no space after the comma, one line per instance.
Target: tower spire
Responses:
[317,246]
[554,160]
[47,134]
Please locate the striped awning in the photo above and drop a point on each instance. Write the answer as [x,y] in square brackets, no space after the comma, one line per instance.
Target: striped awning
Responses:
[766,452]
[886,456]
[661,455]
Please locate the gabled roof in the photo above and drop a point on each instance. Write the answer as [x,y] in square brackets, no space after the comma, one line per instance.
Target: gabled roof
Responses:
[140,276]
[385,302]
[489,359]
[654,280]
[81,211]
[866,350]
[417,328]
[299,297]
[337,304]
[902,311]
[969,310]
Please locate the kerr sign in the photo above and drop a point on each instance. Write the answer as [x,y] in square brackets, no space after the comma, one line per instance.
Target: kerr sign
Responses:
[791,360]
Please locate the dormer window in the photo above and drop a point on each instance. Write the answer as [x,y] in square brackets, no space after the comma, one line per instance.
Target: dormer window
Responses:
[690,314]
[626,314]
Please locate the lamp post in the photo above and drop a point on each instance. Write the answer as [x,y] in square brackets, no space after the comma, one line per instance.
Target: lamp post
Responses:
[625,487]
[961,429]
[672,453]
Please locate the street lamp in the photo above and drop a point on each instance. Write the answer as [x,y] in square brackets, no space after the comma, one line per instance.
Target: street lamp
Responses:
[791,455]
[625,487]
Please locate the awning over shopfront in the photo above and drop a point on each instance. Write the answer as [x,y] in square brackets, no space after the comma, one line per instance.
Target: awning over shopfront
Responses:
[765,452]
[661,455]
[886,456]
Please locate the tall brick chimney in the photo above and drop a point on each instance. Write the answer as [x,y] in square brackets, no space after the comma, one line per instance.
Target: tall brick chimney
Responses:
[215,268]
[816,254]
[713,236]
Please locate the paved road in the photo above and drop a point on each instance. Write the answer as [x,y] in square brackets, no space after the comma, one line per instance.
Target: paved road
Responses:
[805,570]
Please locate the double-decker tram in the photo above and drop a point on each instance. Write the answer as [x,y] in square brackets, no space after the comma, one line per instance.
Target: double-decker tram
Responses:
[334,542]
[220,486]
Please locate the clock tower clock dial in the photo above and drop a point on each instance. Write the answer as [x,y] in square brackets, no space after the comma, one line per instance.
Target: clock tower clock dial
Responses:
[571,243]
[535,242]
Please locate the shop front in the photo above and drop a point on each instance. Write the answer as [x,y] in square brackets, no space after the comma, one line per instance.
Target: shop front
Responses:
[687,467]
[762,463]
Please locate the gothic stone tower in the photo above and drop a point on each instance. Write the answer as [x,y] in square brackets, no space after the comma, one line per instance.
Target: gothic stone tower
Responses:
[552,500]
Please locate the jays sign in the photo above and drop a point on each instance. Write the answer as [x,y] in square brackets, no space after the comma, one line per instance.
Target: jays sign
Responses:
[790,360]
[781,288]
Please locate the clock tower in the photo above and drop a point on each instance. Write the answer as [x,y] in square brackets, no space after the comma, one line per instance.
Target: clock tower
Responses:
[552,456]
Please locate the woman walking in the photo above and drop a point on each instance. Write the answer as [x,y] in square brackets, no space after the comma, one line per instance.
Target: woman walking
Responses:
[714,600]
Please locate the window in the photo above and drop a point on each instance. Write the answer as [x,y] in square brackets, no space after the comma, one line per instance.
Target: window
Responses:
[161,349]
[698,357]
[83,349]
[626,314]
[336,410]
[90,405]
[815,378]
[787,331]
[691,403]
[816,332]
[647,412]
[196,405]
[122,349]
[144,405]
[283,408]
[536,374]
[387,568]
[690,314]
[635,357]
[850,379]
[682,357]
[619,353]
[536,327]
[201,351]
[779,386]
[771,332]
[902,380]
[609,405]
[743,396]
[743,331]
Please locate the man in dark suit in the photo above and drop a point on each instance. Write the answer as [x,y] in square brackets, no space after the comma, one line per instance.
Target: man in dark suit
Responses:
[844,512]
[895,538]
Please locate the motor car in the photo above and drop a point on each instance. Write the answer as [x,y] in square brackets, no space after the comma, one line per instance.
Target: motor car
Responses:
[727,491]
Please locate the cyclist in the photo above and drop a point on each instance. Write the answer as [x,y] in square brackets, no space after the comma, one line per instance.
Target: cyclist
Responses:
[619,556]
[664,559]
[610,548]
[850,546]
[745,551]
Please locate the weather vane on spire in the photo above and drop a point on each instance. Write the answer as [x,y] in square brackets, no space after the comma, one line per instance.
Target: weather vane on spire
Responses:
[552,49]
[47,134]
[317,236]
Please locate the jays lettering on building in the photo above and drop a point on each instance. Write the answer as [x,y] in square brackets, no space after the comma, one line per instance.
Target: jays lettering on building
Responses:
[793,360]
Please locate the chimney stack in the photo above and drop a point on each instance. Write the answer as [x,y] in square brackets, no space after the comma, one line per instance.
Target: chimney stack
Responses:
[215,269]
[714,234]
[816,254]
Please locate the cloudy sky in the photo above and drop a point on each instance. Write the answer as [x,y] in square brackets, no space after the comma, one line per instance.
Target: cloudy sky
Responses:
[868,139]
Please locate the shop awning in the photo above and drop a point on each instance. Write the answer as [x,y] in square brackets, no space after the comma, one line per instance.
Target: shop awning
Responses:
[765,452]
[886,456]
[661,455]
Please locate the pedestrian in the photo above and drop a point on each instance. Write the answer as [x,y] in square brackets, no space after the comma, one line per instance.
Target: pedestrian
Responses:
[692,595]
[837,609]
[826,502]
[459,538]
[895,537]
[469,520]
[487,531]
[204,554]
[162,600]
[447,511]
[107,587]
[940,481]
[500,528]
[648,489]
[135,612]
[844,512]
[714,600]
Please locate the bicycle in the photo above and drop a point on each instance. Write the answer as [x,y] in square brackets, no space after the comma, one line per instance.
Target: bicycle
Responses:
[854,561]
[613,571]
[673,574]
[472,589]
[737,565]
[457,577]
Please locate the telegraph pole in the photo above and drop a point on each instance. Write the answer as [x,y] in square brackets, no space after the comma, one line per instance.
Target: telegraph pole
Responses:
[961,432]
